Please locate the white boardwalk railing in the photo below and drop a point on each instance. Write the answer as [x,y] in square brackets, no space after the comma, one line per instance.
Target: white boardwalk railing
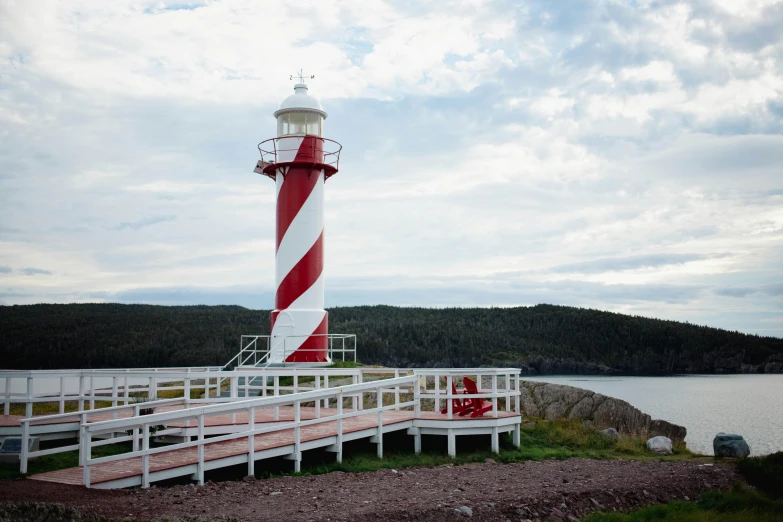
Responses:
[140,426]
[131,421]
[82,419]
[85,388]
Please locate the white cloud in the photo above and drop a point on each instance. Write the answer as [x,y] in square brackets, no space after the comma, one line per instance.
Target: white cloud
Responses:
[616,155]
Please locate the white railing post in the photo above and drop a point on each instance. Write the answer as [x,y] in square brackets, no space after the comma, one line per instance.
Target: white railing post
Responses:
[354,398]
[82,438]
[145,458]
[396,388]
[92,392]
[508,389]
[114,394]
[494,397]
[28,409]
[417,397]
[234,386]
[186,391]
[251,441]
[62,394]
[326,386]
[87,457]
[339,428]
[361,395]
[25,447]
[297,438]
[449,401]
[81,392]
[276,393]
[200,466]
[437,392]
[380,423]
[317,402]
[7,402]
[125,391]
[516,396]
[233,383]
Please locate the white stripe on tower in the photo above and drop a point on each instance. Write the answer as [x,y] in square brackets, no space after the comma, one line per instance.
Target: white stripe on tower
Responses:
[299,296]
[302,233]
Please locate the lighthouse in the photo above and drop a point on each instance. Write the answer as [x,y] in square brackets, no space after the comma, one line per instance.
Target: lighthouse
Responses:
[299,160]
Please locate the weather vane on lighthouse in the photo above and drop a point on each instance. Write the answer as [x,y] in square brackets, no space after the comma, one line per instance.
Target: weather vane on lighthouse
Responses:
[301,76]
[299,160]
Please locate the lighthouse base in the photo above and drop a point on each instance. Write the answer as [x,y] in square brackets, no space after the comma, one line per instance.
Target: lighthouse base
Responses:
[299,336]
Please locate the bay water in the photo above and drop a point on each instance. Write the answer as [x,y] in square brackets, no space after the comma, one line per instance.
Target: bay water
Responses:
[749,405]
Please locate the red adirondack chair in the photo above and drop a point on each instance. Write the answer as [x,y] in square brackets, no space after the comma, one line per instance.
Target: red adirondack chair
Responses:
[456,405]
[478,406]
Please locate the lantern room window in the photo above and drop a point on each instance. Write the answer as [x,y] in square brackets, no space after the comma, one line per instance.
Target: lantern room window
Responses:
[300,123]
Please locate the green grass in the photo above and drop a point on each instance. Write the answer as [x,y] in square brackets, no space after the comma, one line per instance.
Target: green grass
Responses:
[766,473]
[69,459]
[739,505]
[561,439]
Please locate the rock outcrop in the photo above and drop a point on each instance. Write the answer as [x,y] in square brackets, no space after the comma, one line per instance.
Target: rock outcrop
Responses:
[554,401]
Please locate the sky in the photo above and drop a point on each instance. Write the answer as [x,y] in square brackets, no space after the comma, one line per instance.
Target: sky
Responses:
[622,155]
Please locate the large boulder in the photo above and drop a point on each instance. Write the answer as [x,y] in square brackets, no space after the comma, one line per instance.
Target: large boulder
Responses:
[730,445]
[660,445]
[556,401]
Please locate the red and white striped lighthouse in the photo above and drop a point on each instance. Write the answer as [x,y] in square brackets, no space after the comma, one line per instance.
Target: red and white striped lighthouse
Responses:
[299,160]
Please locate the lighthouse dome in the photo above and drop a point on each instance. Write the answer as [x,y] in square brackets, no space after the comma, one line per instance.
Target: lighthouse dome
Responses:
[300,101]
[300,114]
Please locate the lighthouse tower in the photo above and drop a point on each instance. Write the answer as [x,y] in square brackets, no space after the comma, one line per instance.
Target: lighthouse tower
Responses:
[299,160]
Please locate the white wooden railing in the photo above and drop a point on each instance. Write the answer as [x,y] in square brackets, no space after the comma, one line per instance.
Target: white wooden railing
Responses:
[504,384]
[140,425]
[126,385]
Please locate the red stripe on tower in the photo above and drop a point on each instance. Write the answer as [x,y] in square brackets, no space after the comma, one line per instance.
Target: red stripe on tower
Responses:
[299,166]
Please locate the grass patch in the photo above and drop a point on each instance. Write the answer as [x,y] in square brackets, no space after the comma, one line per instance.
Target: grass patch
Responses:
[346,364]
[739,505]
[365,462]
[53,408]
[766,473]
[563,439]
[560,439]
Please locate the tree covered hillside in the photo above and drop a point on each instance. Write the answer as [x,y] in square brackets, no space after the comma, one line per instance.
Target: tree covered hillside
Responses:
[540,339]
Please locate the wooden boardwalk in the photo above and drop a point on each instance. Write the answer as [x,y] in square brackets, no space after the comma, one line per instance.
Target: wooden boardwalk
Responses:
[180,458]
[111,471]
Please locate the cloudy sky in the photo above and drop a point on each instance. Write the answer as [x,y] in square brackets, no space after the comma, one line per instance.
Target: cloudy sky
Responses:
[624,155]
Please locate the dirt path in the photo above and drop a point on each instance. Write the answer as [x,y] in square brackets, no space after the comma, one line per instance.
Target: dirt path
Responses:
[529,490]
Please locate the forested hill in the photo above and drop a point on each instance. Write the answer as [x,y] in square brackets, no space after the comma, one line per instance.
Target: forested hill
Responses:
[540,339]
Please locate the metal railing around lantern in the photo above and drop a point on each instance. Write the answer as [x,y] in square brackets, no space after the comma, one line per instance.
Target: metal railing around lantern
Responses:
[325,150]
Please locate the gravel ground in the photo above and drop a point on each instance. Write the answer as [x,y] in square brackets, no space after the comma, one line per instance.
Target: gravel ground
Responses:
[560,490]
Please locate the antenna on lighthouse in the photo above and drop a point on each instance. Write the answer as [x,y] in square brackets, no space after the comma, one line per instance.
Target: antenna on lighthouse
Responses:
[301,76]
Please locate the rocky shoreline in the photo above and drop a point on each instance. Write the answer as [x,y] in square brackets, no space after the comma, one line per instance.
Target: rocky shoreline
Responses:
[555,401]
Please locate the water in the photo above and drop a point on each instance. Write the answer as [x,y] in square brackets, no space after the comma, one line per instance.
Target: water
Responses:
[750,405]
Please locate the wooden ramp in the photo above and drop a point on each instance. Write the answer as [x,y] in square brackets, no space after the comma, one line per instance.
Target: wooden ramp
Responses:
[181,462]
